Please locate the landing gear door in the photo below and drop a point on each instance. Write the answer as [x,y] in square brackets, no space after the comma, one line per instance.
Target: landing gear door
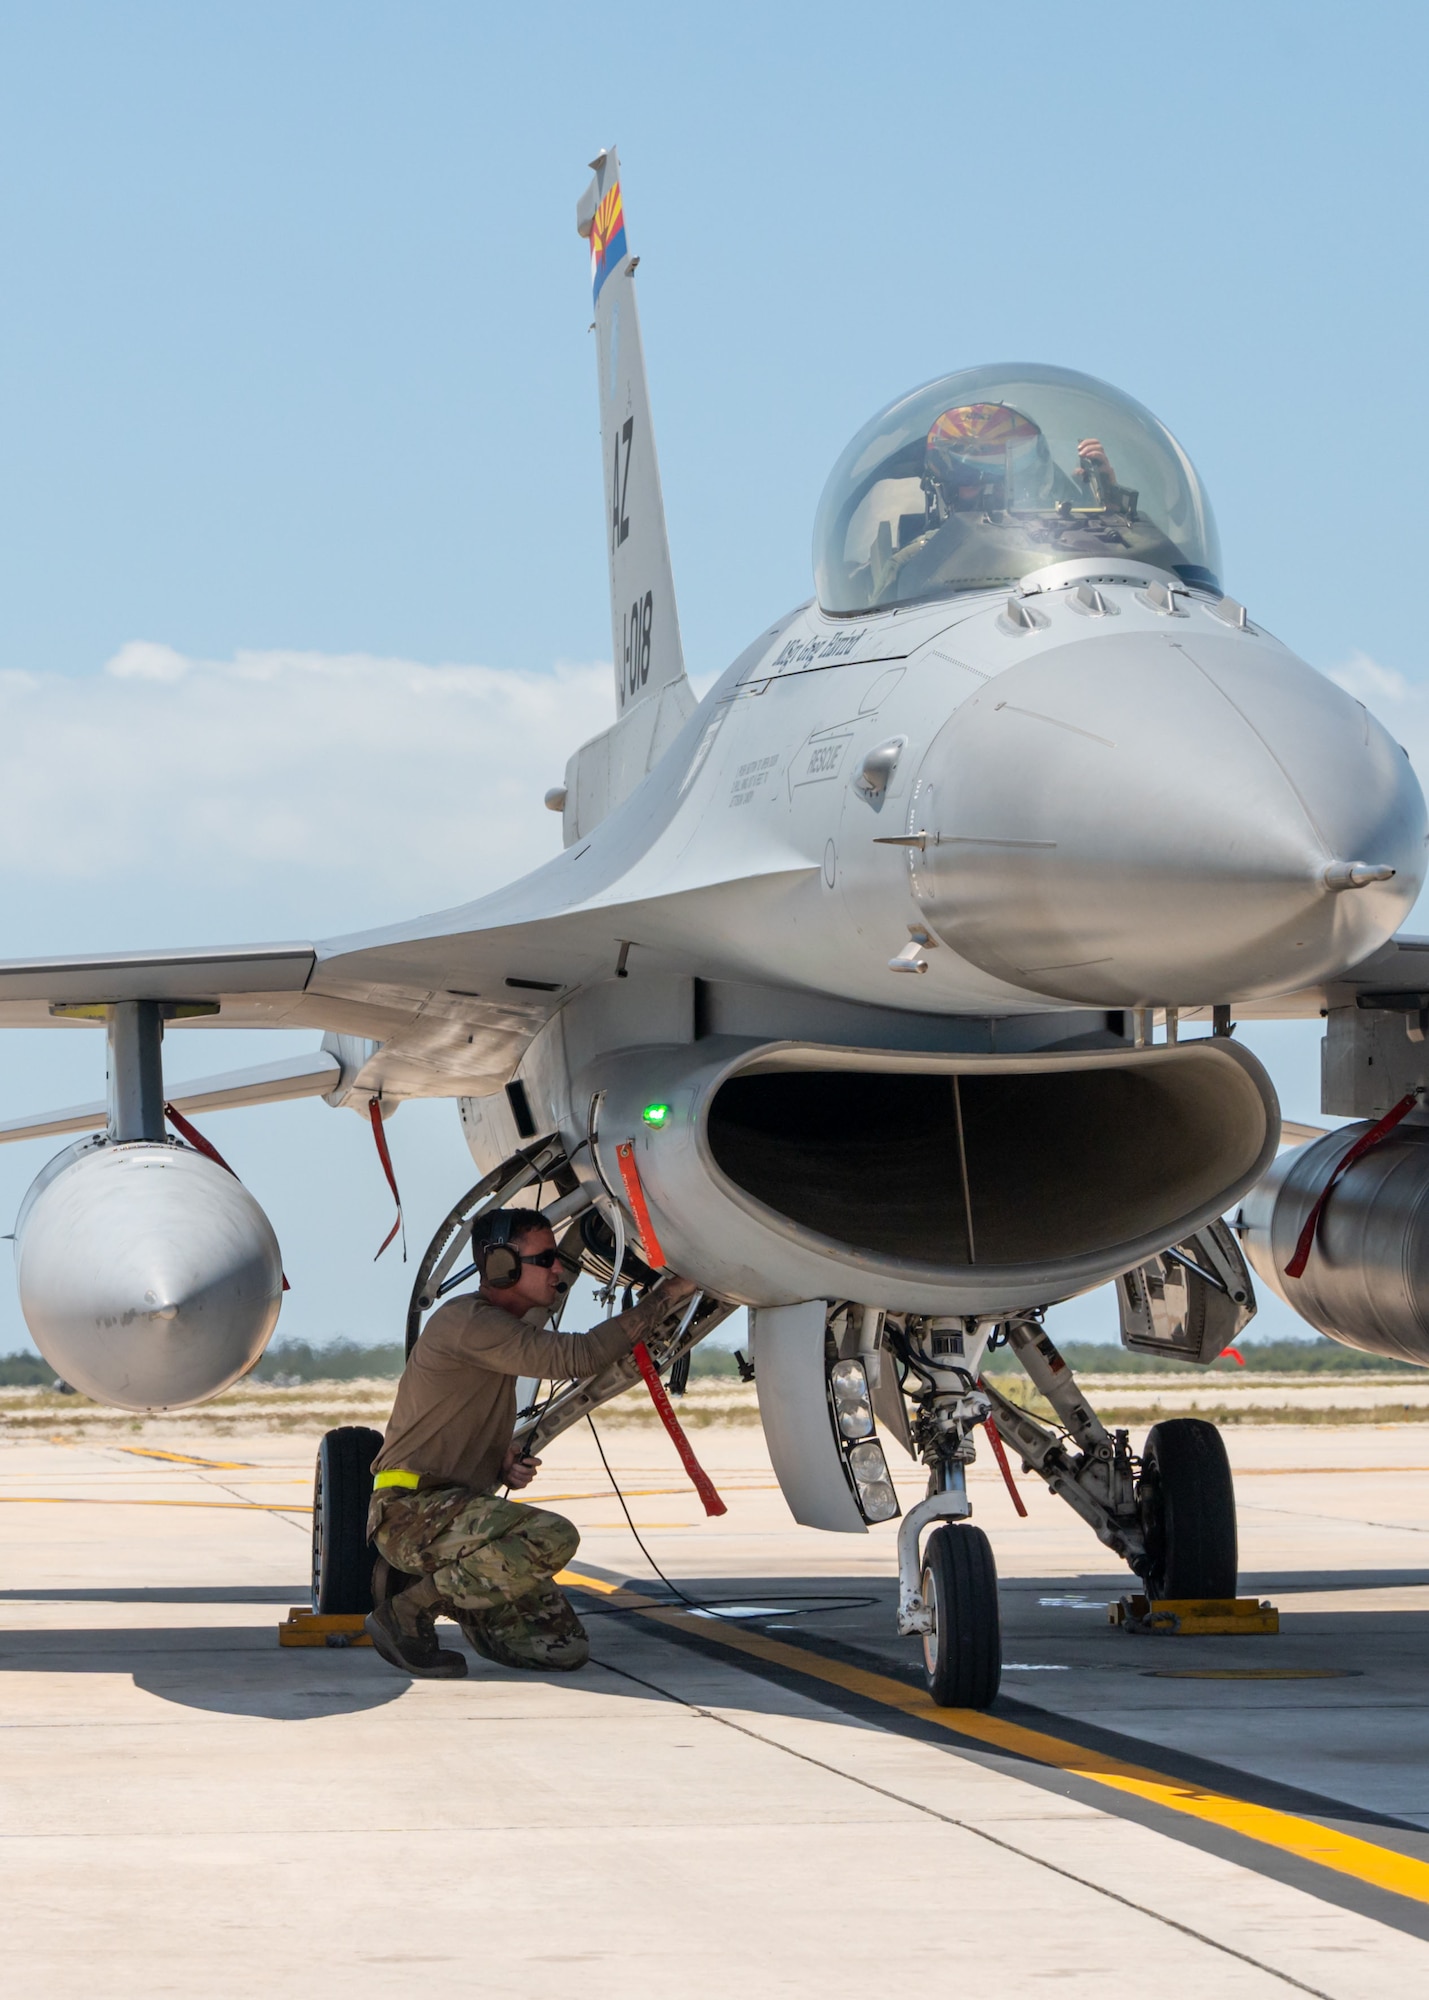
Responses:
[1189,1303]
[791,1377]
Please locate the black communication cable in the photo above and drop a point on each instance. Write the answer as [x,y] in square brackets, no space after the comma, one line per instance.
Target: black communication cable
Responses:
[824,1601]
[673,1588]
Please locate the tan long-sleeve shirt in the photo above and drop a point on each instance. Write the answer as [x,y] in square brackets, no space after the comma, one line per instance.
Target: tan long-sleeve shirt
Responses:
[456,1402]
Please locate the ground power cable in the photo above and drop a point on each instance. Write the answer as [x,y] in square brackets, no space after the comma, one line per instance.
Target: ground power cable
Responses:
[825,1601]
[965,1826]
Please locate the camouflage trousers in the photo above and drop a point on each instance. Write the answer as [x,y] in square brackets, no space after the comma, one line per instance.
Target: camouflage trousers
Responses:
[482,1552]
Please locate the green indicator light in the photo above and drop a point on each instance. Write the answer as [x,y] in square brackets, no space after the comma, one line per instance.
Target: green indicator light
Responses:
[656,1115]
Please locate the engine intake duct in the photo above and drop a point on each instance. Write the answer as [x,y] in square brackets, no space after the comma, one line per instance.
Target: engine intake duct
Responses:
[979,1167]
[933,1182]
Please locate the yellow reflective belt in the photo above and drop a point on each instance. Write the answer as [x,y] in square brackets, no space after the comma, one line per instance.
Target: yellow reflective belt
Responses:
[396,1477]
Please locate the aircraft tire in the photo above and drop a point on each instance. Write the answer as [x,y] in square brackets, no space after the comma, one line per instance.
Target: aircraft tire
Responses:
[1186,1500]
[342,1488]
[962,1654]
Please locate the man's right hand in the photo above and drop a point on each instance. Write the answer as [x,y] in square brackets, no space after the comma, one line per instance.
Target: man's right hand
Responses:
[673,1290]
[517,1469]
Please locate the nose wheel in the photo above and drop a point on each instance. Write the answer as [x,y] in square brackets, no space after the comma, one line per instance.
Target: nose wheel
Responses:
[962,1651]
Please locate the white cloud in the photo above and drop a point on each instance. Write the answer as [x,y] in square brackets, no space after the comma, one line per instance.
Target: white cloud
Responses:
[140,660]
[284,774]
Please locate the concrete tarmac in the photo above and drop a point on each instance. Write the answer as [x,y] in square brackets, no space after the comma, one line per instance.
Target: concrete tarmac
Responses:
[759,1803]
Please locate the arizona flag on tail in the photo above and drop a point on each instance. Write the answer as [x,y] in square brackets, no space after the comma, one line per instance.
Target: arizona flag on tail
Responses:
[607,238]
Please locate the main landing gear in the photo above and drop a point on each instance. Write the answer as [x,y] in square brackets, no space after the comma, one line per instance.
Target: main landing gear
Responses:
[342,1489]
[1186,1506]
[1170,1515]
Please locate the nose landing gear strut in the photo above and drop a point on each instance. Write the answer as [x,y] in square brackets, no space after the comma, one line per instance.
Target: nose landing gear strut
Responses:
[1170,1515]
[949,1598]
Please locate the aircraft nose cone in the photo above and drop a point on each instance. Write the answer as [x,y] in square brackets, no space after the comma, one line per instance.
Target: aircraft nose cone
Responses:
[1141,818]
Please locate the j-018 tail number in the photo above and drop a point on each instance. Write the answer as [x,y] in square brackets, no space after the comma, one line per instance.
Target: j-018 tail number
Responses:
[636,623]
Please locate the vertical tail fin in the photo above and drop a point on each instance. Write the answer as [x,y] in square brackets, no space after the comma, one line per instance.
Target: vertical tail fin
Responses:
[645,628]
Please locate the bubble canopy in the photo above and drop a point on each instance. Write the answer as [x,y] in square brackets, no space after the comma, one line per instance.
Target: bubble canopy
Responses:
[982,477]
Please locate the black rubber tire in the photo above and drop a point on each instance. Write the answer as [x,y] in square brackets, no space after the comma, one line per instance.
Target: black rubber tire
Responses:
[342,1489]
[962,1655]
[1186,1500]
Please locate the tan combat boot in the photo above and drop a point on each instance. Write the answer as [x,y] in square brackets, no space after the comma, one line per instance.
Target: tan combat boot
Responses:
[403,1630]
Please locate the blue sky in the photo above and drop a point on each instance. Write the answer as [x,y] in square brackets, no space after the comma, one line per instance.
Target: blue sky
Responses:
[302,591]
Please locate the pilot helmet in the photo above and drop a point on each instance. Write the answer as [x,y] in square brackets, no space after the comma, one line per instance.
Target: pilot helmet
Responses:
[987,456]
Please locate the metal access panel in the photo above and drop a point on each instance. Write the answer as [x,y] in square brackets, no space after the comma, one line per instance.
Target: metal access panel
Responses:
[1373,1056]
[1189,1303]
[791,1376]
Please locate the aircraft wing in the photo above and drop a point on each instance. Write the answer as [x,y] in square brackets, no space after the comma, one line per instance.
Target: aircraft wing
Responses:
[430,1030]
[449,1000]
[312,1075]
[256,985]
[1399,967]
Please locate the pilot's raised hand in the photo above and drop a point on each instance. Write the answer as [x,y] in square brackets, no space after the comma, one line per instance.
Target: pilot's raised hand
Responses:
[1092,452]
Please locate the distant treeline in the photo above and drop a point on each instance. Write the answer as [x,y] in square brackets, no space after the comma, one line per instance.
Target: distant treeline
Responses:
[25,1371]
[1269,1357]
[297,1361]
[335,1361]
[344,1361]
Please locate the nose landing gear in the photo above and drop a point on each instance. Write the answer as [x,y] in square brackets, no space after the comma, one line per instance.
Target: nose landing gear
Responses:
[1169,1515]
[950,1598]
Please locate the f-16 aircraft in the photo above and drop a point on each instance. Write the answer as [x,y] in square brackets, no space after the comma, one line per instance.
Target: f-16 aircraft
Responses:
[888,991]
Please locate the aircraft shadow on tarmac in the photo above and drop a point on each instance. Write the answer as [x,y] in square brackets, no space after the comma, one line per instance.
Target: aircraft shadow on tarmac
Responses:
[224,1669]
[208,1593]
[241,1670]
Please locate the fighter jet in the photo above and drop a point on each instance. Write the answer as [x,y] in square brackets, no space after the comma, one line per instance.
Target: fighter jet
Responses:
[888,991]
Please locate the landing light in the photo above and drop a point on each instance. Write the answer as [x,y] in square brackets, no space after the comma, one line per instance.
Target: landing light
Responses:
[657,1115]
[853,1410]
[876,1498]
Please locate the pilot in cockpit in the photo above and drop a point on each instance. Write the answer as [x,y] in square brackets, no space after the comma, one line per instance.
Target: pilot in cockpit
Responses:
[988,476]
[990,458]
[990,484]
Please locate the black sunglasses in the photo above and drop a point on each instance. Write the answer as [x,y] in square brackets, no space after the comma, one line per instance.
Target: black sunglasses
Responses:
[544,1258]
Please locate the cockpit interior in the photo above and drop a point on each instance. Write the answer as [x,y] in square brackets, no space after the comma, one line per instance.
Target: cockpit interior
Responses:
[977,480]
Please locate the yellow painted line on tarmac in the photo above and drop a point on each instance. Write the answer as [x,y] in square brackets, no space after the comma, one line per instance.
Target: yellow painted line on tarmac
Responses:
[1344,1853]
[182,1458]
[664,1492]
[1319,1471]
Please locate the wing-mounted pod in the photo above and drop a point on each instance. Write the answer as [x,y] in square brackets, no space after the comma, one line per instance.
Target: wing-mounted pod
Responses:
[1190,1302]
[1365,1275]
[1339,1227]
[149,1277]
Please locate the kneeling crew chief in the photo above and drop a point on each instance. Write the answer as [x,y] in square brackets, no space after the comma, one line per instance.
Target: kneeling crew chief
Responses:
[436,1513]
